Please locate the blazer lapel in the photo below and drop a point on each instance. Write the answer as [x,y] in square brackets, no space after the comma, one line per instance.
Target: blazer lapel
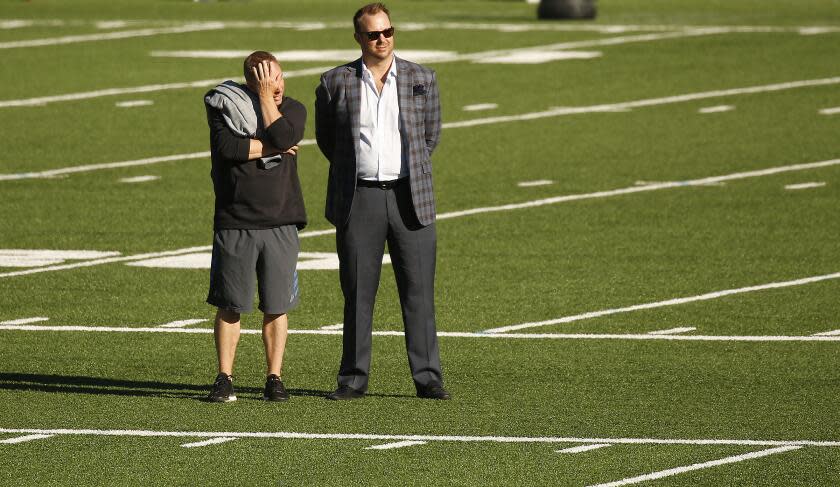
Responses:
[352,78]
[404,84]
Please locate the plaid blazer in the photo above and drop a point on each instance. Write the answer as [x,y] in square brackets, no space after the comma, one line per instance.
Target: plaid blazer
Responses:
[337,111]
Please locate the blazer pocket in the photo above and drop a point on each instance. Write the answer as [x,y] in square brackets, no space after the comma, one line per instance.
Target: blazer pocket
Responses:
[427,167]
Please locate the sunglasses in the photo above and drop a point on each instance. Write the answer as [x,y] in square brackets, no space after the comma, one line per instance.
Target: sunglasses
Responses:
[374,34]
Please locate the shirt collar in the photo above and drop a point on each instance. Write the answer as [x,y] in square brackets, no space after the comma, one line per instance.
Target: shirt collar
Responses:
[392,72]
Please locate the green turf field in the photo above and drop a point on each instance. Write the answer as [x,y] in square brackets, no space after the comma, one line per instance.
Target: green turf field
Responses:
[656,304]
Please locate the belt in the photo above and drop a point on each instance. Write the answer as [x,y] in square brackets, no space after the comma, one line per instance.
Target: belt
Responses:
[366,183]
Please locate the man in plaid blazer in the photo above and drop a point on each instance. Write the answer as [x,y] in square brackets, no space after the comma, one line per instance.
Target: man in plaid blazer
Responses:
[377,121]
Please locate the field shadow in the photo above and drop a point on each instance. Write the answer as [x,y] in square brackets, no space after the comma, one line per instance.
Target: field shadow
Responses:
[75,384]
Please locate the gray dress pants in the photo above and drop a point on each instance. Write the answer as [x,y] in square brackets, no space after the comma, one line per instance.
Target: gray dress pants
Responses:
[380,215]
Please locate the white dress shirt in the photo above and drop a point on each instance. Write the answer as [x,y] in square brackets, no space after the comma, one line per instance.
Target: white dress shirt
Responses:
[379,153]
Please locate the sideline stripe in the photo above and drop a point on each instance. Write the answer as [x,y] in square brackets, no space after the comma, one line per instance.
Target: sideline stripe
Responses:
[453,438]
[445,334]
[24,321]
[830,111]
[669,302]
[22,439]
[473,211]
[399,444]
[583,448]
[698,466]
[212,441]
[107,36]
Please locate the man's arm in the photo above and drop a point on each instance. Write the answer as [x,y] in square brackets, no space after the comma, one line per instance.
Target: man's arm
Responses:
[432,117]
[286,131]
[233,147]
[324,121]
[223,141]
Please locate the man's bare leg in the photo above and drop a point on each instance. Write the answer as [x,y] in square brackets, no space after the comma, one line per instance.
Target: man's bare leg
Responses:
[226,331]
[274,333]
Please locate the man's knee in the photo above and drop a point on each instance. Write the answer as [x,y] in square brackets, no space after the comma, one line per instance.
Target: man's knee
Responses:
[227,316]
[272,317]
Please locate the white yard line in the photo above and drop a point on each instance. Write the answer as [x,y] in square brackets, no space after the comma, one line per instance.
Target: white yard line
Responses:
[89,263]
[668,302]
[212,441]
[561,111]
[555,112]
[23,439]
[672,331]
[24,321]
[109,165]
[427,438]
[584,448]
[830,111]
[442,334]
[116,165]
[398,444]
[831,333]
[805,186]
[698,466]
[85,95]
[640,189]
[476,56]
[183,323]
[473,211]
[337,326]
[109,36]
[419,26]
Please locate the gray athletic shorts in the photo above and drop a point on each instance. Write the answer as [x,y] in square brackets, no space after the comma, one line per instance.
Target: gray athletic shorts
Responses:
[272,253]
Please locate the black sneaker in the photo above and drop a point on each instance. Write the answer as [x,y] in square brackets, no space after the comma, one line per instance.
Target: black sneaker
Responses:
[274,389]
[222,389]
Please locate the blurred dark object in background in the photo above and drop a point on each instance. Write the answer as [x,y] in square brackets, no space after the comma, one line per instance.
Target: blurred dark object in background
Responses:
[566,9]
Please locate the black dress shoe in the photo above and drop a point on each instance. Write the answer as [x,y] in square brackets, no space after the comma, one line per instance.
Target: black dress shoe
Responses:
[433,391]
[345,393]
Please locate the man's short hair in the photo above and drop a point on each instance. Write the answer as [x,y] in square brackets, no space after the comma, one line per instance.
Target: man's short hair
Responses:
[369,9]
[253,60]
